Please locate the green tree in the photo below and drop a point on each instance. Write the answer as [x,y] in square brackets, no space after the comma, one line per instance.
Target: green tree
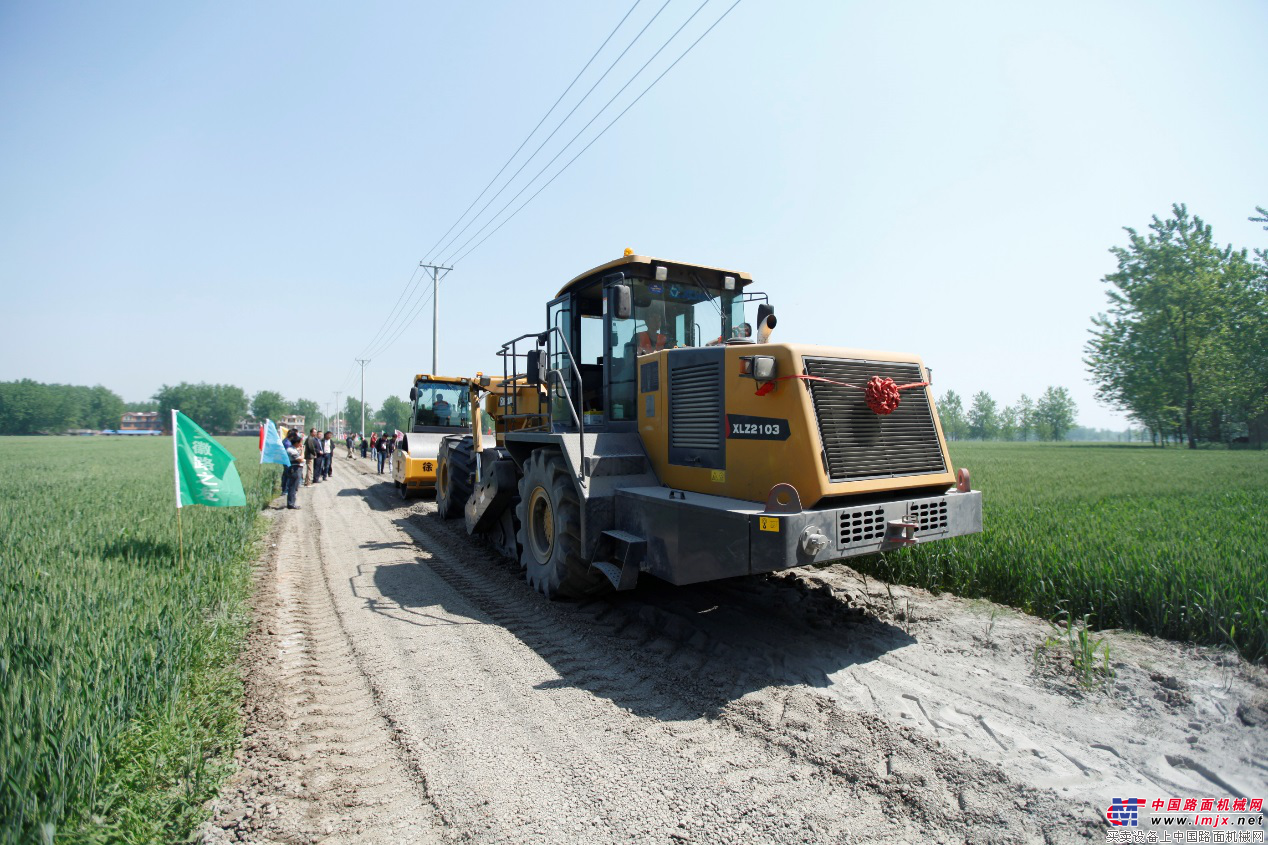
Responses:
[268,404]
[105,408]
[1008,423]
[395,414]
[1025,409]
[983,417]
[216,407]
[32,407]
[140,406]
[951,412]
[309,410]
[1054,414]
[1167,348]
[352,414]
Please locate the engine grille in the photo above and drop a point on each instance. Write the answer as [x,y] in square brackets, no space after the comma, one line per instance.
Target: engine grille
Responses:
[860,444]
[695,406]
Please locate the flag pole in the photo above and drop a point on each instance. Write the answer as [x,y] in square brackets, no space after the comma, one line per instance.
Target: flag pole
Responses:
[176,475]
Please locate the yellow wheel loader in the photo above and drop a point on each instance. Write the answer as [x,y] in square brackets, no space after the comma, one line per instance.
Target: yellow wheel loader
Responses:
[653,427]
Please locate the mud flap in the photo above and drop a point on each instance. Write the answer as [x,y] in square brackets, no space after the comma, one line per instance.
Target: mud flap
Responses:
[618,555]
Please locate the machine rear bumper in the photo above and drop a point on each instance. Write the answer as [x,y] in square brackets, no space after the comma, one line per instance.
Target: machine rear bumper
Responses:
[693,537]
[415,473]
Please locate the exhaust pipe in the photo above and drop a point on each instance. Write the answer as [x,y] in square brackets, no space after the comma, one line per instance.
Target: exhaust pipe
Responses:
[765,322]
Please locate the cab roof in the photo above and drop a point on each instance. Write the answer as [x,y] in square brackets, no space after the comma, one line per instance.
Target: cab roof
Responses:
[675,267]
[440,379]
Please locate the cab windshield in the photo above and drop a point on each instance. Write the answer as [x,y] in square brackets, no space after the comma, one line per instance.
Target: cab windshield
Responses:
[670,315]
[442,405]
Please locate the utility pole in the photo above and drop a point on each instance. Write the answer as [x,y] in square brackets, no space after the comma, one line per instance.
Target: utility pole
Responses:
[363,362]
[338,427]
[435,305]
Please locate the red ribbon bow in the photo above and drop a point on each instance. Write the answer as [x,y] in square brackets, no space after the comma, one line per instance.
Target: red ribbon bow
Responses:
[881,394]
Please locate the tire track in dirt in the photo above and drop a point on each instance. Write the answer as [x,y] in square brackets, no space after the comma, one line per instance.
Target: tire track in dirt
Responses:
[810,758]
[318,763]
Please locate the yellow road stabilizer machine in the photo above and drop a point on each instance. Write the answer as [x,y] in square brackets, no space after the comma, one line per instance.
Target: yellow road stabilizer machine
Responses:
[650,429]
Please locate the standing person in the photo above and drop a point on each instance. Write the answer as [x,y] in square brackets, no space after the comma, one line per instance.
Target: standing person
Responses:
[312,448]
[292,474]
[349,440]
[380,452]
[364,444]
[327,456]
[391,450]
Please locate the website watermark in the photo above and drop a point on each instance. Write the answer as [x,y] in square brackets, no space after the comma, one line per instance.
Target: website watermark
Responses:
[1191,819]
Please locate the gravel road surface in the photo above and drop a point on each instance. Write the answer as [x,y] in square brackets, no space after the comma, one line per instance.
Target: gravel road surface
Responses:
[405,685]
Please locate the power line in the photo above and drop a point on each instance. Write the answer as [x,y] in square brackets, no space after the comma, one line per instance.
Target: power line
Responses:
[596,137]
[393,323]
[392,314]
[386,344]
[549,111]
[558,126]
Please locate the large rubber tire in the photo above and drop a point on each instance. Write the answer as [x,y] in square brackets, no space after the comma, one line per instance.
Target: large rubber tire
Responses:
[549,533]
[455,476]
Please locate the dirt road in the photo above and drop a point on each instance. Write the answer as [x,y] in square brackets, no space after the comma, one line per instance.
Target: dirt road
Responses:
[405,685]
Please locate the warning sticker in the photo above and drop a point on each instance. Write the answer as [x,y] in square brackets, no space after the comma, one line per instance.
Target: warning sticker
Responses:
[768,523]
[718,475]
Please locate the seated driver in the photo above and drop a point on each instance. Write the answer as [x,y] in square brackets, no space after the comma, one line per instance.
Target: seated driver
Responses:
[441,409]
[650,339]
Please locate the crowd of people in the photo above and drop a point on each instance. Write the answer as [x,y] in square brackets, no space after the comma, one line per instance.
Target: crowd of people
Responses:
[312,457]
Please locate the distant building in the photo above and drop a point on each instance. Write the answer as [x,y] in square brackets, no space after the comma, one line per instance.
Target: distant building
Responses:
[140,421]
[292,421]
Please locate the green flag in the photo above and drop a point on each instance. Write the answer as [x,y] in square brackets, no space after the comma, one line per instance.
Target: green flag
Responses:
[205,474]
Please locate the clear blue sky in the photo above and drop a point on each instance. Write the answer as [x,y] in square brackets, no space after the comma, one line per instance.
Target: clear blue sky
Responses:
[239,192]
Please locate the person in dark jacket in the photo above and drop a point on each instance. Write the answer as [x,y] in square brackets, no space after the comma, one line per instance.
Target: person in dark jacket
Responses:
[312,449]
[380,448]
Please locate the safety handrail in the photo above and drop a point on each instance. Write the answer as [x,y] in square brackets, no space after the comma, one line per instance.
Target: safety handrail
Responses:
[581,426]
[510,351]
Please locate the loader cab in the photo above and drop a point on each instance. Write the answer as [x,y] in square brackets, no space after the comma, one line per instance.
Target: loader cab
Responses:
[672,306]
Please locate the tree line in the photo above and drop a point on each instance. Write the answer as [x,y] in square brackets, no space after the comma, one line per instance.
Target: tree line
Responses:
[1183,348]
[31,407]
[1050,417]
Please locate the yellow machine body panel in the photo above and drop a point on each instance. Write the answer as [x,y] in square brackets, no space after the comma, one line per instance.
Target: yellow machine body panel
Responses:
[416,468]
[777,437]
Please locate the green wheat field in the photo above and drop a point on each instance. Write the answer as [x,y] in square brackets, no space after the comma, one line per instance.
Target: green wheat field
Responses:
[1171,542]
[119,691]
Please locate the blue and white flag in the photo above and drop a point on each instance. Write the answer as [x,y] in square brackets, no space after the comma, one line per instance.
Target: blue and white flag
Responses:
[272,451]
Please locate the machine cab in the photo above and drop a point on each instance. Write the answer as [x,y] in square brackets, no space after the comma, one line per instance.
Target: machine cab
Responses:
[670,306]
[439,405]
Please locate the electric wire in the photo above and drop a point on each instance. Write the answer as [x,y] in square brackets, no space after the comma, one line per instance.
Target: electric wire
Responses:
[392,314]
[548,113]
[388,343]
[390,324]
[453,262]
[558,126]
